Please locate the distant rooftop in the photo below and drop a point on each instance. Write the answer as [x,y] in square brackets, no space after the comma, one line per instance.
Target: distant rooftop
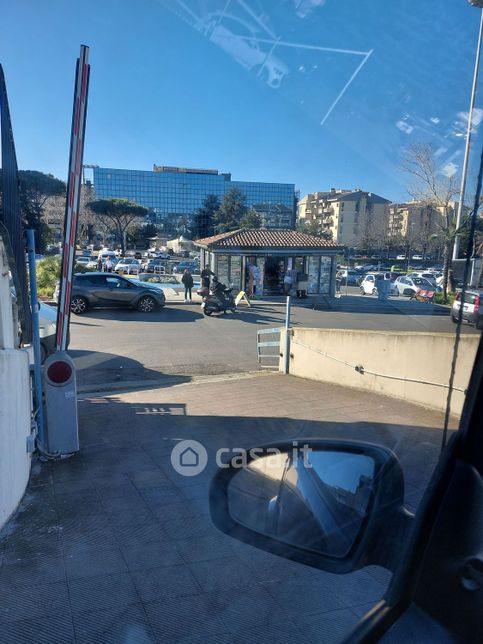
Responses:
[177,170]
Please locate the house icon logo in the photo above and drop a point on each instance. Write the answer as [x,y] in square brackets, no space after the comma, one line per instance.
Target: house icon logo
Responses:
[189,458]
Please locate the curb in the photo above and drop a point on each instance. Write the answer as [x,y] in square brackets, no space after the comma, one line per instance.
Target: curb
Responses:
[160,383]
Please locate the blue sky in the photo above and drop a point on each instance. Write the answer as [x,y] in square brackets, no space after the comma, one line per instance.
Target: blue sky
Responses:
[244,85]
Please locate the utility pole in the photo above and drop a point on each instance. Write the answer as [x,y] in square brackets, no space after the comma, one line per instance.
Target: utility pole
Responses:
[464,172]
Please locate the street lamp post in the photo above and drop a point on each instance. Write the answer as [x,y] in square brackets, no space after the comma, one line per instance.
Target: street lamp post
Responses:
[456,247]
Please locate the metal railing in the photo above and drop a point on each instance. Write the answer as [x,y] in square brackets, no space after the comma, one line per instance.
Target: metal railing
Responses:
[268,350]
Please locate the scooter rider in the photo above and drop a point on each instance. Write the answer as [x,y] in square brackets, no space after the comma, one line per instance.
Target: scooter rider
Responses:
[220,298]
[206,273]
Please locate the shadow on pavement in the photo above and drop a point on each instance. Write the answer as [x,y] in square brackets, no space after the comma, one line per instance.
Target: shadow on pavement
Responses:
[369,304]
[98,368]
[166,313]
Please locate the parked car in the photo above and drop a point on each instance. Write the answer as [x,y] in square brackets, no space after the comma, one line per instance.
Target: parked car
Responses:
[154,266]
[425,274]
[104,254]
[369,284]
[472,308]
[86,261]
[128,265]
[410,285]
[400,257]
[99,290]
[417,257]
[350,276]
[47,327]
[182,266]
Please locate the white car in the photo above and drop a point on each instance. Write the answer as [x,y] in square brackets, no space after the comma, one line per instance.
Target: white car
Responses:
[47,326]
[400,257]
[410,285]
[425,274]
[369,284]
[87,262]
[128,265]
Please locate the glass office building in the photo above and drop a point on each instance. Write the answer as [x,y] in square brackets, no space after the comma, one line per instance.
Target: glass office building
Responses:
[175,193]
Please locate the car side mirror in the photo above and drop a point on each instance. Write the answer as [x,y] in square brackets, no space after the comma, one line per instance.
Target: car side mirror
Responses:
[335,505]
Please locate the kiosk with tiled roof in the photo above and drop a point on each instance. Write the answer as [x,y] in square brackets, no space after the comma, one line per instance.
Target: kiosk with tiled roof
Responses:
[258,260]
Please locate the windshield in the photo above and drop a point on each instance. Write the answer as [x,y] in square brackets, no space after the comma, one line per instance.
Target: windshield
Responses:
[311,155]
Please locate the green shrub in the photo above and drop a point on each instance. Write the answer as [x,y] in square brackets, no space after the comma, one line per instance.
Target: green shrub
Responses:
[48,274]
[439,298]
[161,279]
[80,268]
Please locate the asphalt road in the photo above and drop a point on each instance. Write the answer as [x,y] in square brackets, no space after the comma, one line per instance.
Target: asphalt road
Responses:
[179,342]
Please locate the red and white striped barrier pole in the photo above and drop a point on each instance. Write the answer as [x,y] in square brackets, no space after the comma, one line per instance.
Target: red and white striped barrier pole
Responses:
[73,196]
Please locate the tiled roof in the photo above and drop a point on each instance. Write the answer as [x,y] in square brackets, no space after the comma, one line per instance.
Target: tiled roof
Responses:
[263,238]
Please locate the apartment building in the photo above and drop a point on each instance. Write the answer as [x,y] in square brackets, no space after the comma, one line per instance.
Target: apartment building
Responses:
[352,217]
[416,222]
[412,221]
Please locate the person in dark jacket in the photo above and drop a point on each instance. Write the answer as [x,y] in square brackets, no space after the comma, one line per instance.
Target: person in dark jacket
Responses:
[206,274]
[187,280]
[99,263]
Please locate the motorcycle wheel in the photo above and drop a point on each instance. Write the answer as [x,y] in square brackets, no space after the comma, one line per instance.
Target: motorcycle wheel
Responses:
[207,312]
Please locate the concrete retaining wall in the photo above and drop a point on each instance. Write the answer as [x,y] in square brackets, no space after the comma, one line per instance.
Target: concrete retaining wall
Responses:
[409,366]
[14,403]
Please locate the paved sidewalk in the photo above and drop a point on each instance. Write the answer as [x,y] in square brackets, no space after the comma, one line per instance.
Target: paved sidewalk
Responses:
[112,545]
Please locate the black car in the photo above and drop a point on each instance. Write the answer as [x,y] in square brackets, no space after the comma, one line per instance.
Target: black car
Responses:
[99,290]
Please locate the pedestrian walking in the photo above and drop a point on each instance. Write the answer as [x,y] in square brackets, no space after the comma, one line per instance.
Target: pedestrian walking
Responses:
[187,280]
[108,265]
[99,263]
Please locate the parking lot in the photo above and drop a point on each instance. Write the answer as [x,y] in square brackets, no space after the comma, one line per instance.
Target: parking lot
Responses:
[115,346]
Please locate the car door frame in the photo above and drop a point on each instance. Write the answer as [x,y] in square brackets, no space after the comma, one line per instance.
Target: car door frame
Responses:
[420,565]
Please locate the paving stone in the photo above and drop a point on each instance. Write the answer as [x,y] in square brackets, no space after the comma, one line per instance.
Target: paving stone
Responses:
[127,624]
[139,556]
[25,572]
[54,629]
[38,601]
[177,619]
[101,591]
[329,627]
[154,584]
[91,562]
[213,546]
[302,597]
[223,574]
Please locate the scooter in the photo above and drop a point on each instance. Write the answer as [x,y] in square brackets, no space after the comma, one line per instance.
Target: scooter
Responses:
[218,300]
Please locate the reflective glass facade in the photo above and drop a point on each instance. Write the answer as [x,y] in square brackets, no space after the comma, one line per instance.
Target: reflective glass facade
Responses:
[174,194]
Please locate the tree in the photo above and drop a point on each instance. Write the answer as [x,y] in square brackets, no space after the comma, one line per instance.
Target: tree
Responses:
[230,213]
[35,189]
[435,190]
[314,227]
[142,235]
[203,221]
[251,219]
[121,214]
